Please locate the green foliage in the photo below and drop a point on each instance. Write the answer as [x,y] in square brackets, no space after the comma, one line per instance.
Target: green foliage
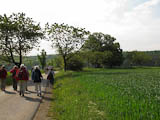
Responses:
[57,62]
[155,58]
[29,61]
[9,79]
[67,39]
[99,42]
[107,58]
[138,58]
[98,59]
[42,58]
[112,94]
[18,36]
[51,62]
[75,63]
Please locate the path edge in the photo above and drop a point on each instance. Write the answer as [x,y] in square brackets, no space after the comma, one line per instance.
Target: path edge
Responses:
[36,110]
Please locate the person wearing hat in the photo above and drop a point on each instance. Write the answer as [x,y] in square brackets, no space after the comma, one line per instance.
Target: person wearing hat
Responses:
[22,77]
[3,75]
[13,71]
[37,78]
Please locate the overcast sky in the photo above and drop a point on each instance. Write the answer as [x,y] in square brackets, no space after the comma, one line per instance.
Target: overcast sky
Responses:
[134,23]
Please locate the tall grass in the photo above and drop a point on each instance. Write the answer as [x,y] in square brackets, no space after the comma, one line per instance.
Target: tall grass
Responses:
[112,94]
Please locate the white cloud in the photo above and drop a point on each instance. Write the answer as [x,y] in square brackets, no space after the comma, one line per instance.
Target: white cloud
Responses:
[143,30]
[132,24]
[135,28]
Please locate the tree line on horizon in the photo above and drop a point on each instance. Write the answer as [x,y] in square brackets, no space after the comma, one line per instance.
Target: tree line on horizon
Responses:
[76,47]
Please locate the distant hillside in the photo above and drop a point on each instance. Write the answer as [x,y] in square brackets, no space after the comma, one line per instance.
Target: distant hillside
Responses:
[33,60]
[152,53]
[35,57]
[29,61]
[148,52]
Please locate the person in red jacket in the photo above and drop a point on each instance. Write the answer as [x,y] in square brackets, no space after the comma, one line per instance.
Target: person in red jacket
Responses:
[13,71]
[22,77]
[3,75]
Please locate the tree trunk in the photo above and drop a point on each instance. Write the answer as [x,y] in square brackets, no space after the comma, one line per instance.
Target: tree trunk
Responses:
[88,62]
[65,66]
[20,58]
[10,51]
[12,57]
[20,54]
[65,63]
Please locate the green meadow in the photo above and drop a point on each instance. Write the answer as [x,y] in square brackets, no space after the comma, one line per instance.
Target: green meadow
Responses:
[107,94]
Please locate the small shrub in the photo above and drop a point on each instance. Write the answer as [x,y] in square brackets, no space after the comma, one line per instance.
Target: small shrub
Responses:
[75,63]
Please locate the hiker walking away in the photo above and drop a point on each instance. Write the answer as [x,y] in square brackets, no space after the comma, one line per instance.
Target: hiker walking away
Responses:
[37,77]
[50,76]
[22,77]
[14,71]
[3,75]
[46,72]
[32,75]
[26,82]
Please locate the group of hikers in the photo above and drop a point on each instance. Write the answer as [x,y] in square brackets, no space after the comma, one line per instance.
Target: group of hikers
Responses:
[20,75]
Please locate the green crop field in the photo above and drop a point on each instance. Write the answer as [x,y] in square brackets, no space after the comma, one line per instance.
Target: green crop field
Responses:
[107,94]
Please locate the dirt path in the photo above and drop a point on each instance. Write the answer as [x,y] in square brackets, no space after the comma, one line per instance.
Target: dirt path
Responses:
[15,107]
[42,113]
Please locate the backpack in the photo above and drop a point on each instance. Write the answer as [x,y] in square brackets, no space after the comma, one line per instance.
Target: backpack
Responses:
[50,76]
[14,73]
[36,75]
[20,74]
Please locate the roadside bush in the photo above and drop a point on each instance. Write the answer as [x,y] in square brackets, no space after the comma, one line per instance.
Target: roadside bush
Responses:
[75,63]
